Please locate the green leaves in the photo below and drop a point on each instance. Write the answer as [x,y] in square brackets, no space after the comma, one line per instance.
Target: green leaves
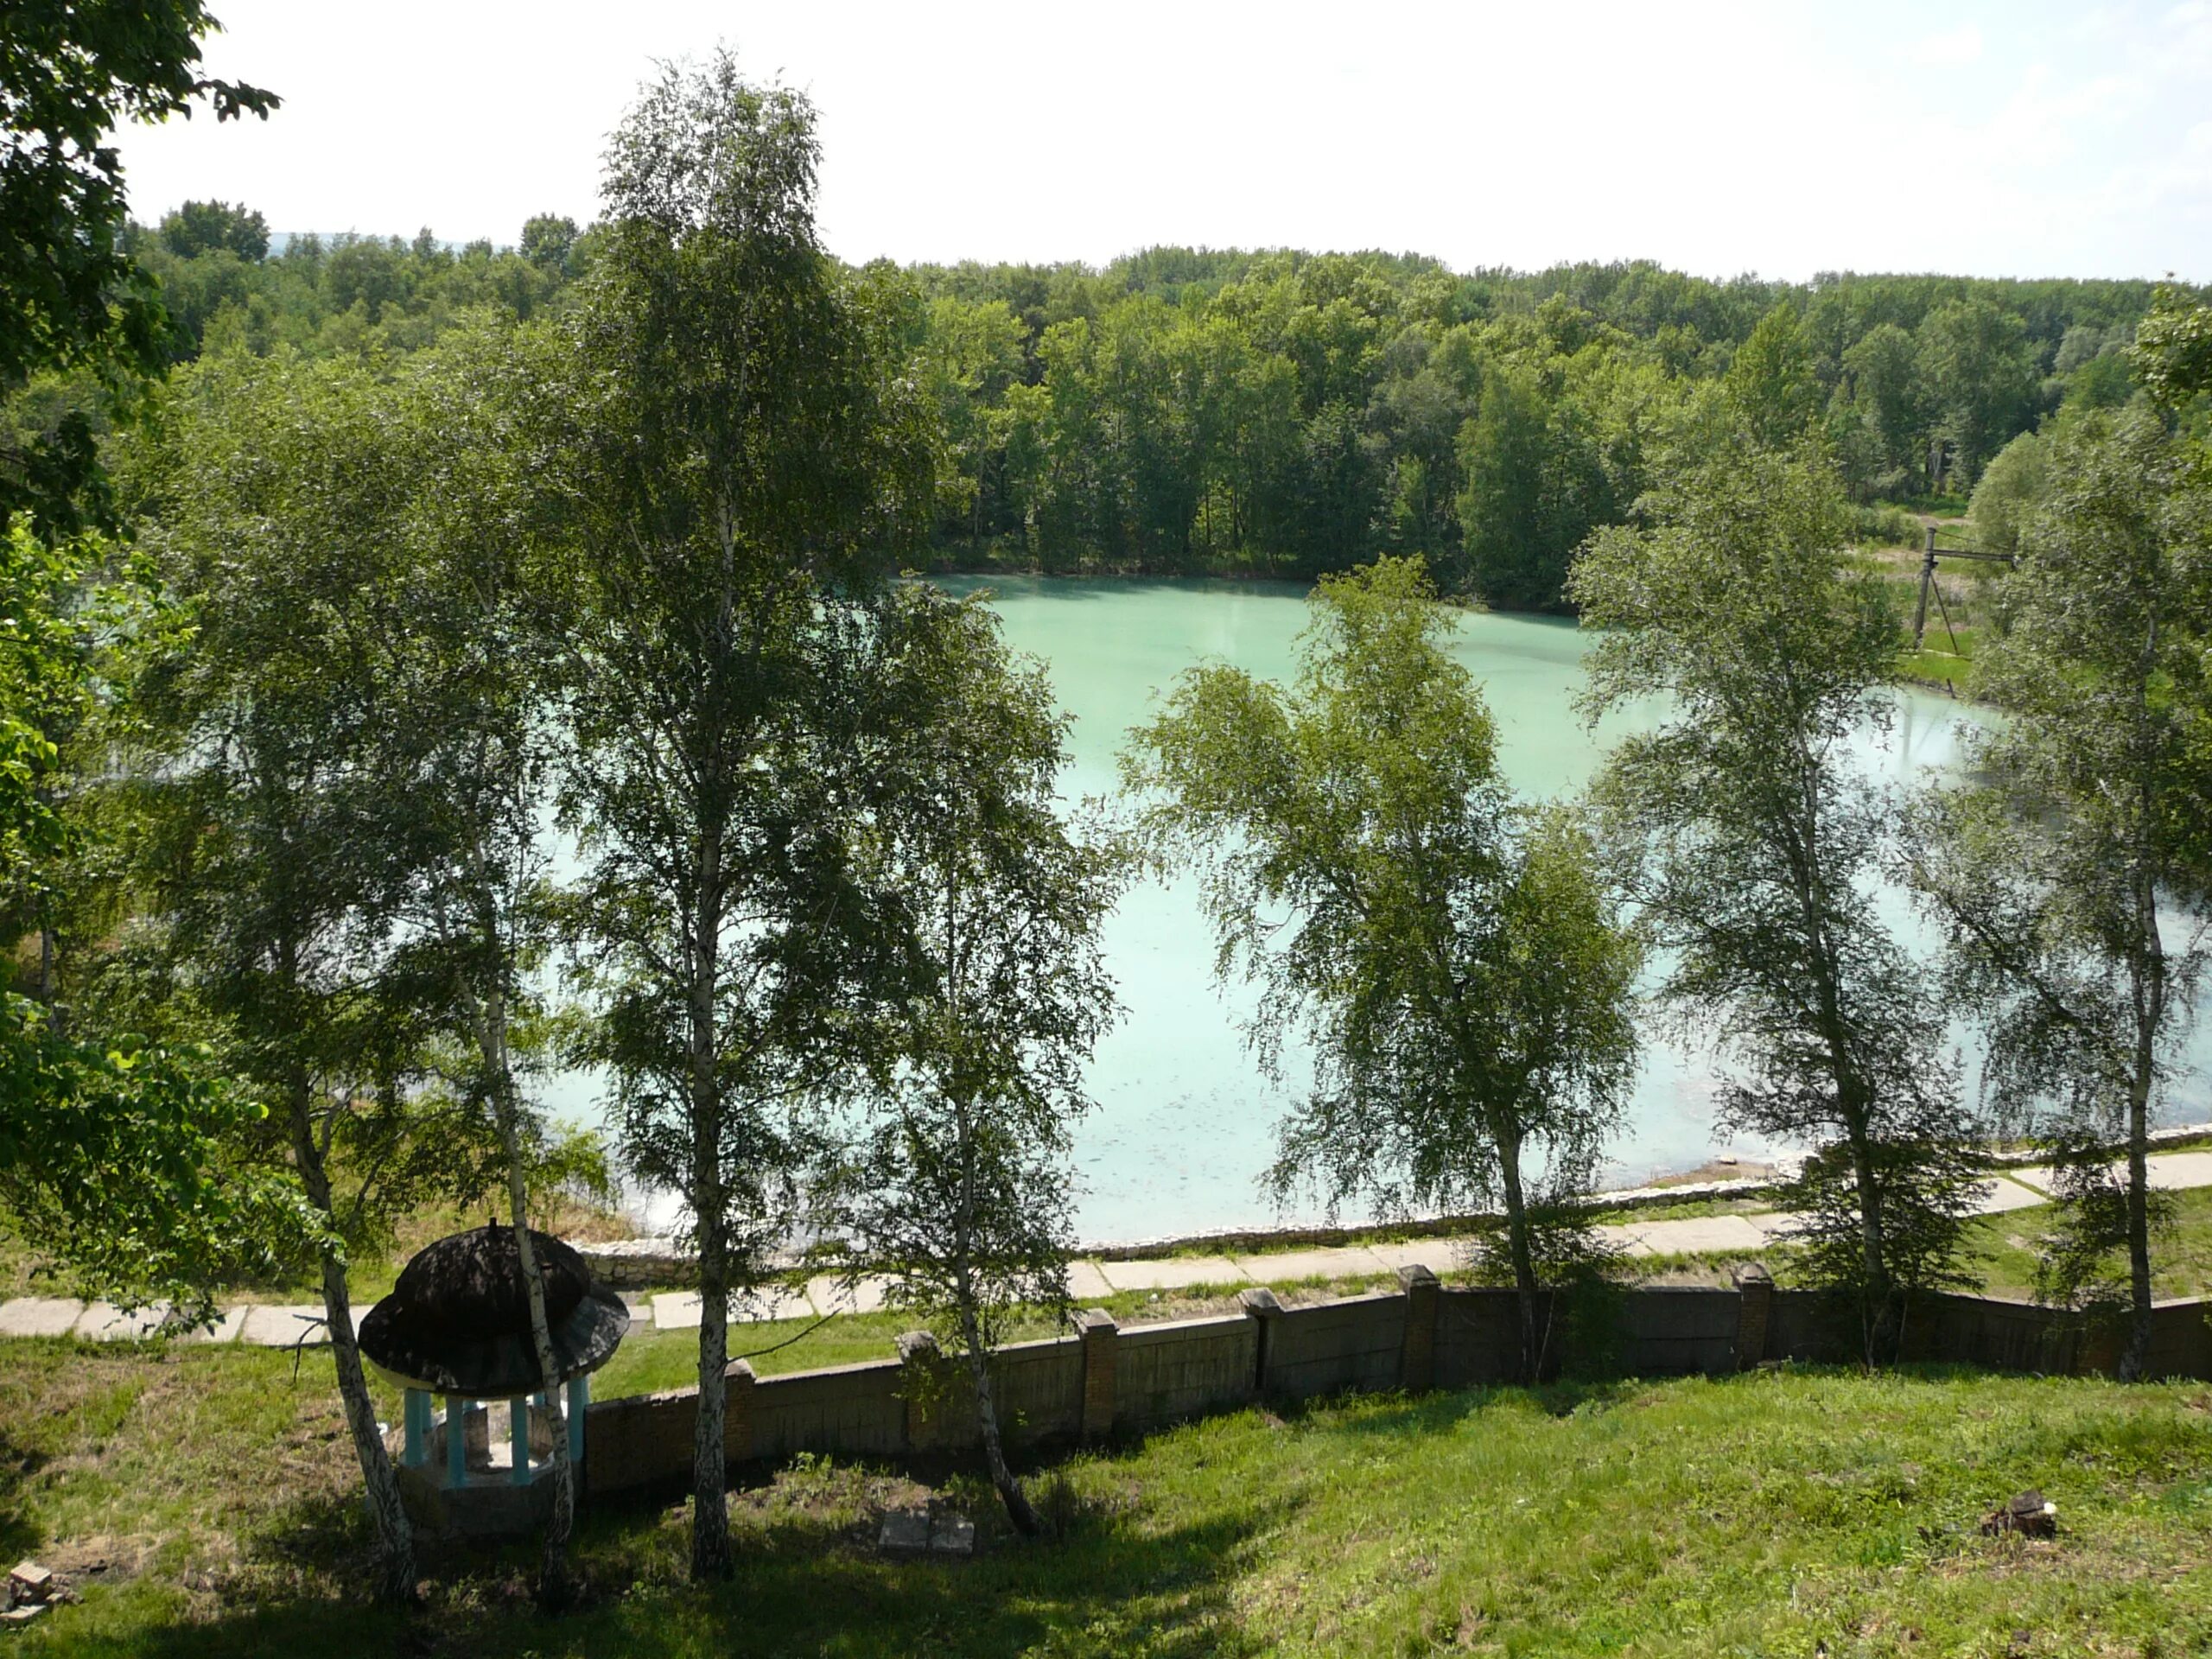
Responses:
[127,1165]
[1750,842]
[1453,958]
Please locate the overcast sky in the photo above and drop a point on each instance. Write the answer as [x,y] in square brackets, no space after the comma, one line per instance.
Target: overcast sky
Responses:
[2020,139]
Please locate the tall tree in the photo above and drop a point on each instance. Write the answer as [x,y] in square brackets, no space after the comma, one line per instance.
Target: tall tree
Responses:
[1455,962]
[2073,875]
[1981,376]
[960,1193]
[1750,840]
[70,297]
[288,858]
[118,1154]
[738,459]
[474,674]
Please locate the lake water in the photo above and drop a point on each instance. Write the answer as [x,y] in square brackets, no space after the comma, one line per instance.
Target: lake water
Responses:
[1185,1122]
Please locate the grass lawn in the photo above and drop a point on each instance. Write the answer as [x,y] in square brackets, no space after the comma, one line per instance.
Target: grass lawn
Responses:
[1784,1513]
[1938,665]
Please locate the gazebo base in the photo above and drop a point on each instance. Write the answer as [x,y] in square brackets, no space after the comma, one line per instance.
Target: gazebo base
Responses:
[486,1508]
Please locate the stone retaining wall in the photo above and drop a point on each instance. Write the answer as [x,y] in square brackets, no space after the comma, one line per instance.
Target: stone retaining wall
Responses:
[1104,1381]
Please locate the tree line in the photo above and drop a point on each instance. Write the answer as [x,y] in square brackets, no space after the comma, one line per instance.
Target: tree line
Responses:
[1184,411]
[277,765]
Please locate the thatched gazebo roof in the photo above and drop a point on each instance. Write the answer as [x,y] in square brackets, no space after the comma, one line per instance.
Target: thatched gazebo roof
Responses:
[458,1321]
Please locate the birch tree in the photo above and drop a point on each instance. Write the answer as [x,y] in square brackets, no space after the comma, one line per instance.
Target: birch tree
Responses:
[1750,842]
[734,459]
[2072,874]
[282,859]
[1453,959]
[960,1193]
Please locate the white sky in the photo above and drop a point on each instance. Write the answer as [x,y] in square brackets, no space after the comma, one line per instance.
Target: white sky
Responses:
[2021,139]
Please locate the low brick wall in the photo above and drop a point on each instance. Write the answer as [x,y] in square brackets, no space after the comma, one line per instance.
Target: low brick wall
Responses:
[1104,1381]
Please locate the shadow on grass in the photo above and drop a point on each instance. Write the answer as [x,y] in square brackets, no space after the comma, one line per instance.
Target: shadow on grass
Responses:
[802,1584]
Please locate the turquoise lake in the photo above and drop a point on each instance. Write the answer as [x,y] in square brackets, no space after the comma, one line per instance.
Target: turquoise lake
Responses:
[1185,1122]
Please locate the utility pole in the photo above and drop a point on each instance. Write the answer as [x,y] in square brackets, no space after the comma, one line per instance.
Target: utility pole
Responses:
[1926,581]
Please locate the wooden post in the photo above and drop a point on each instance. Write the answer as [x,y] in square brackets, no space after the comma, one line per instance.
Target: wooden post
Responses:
[1260,1307]
[737,1411]
[456,1441]
[1417,1358]
[1926,581]
[518,1438]
[1097,1332]
[579,1403]
[921,1381]
[1754,1312]
[416,1406]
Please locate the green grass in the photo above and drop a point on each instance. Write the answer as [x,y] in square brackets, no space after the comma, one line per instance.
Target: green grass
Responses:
[1938,665]
[1787,1514]
[1936,506]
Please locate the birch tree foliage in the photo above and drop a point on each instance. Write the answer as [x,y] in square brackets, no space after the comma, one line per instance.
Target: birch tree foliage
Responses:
[290,835]
[1750,841]
[962,1190]
[733,459]
[2072,873]
[1451,958]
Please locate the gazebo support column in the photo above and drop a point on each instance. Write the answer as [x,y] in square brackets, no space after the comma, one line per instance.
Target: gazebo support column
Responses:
[456,1441]
[518,1437]
[579,1399]
[416,1405]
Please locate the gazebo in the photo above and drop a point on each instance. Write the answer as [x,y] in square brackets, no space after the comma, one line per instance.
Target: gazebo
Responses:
[458,1323]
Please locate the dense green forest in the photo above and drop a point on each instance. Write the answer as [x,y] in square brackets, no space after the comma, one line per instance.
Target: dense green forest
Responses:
[1195,409]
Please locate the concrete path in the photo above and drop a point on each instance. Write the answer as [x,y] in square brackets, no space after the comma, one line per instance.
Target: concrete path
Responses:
[1089,1280]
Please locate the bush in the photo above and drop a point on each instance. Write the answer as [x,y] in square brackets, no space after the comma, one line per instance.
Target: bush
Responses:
[1884,525]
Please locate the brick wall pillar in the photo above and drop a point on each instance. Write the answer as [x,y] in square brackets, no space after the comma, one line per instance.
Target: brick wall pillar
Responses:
[922,1383]
[1260,1307]
[1417,1360]
[1754,1309]
[737,1411]
[1099,1336]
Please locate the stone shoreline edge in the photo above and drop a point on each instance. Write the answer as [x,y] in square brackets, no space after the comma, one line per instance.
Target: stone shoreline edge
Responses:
[662,1259]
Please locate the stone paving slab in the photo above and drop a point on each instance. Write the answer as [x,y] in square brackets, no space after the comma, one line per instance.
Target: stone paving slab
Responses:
[1699,1234]
[106,1322]
[1086,1284]
[272,1326]
[40,1316]
[228,1324]
[1283,1266]
[2006,1194]
[830,1294]
[2177,1169]
[1439,1256]
[2171,1171]
[1172,1273]
[679,1310]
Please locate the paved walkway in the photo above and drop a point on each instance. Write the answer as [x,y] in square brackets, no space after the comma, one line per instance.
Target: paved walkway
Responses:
[272,1326]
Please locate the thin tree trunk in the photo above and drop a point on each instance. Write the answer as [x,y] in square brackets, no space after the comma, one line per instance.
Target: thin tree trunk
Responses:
[395,1536]
[553,1586]
[1018,1507]
[2135,1357]
[1878,1311]
[2148,974]
[710,1545]
[1523,1259]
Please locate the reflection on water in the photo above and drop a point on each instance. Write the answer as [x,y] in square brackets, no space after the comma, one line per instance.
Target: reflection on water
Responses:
[1185,1123]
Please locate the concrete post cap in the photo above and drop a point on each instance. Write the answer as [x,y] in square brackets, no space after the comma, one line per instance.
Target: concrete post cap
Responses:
[916,1346]
[1258,1300]
[1088,1320]
[1413,1274]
